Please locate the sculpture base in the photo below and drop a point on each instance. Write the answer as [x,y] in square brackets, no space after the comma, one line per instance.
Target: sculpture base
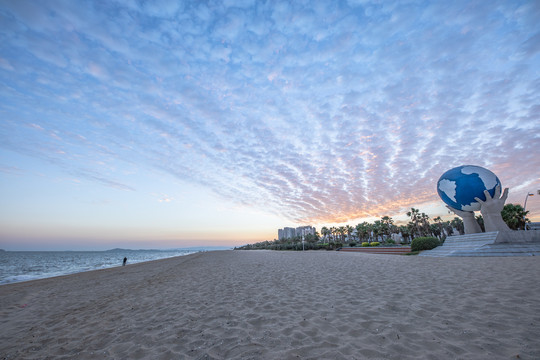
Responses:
[520,236]
[497,243]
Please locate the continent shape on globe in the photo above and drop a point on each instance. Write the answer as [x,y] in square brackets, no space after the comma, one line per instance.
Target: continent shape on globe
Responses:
[459,186]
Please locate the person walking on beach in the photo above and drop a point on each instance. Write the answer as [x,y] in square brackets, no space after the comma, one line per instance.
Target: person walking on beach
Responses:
[125,261]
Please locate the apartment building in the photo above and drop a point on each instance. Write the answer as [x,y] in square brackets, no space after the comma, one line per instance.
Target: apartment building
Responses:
[289,232]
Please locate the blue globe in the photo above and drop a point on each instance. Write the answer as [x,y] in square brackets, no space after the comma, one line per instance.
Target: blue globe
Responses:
[459,186]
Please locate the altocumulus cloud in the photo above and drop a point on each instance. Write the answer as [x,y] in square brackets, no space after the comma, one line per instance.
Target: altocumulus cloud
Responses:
[319,111]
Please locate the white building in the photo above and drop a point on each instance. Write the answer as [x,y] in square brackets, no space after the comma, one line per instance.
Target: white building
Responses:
[305,230]
[288,232]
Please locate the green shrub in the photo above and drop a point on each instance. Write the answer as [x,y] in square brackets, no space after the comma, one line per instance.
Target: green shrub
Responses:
[390,241]
[375,243]
[364,244]
[352,244]
[424,243]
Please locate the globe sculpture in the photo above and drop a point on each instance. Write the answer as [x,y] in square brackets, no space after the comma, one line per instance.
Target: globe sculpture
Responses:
[459,186]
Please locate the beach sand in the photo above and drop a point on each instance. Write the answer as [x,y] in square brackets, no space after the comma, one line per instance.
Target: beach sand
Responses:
[280,305]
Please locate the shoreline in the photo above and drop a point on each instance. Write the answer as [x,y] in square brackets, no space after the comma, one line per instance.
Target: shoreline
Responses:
[280,305]
[83,270]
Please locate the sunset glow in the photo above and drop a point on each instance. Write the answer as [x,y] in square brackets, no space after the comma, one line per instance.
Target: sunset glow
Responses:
[128,124]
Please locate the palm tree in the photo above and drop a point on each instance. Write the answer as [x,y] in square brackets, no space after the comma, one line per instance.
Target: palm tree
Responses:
[341,231]
[405,232]
[439,222]
[325,232]
[480,221]
[378,229]
[435,230]
[514,216]
[414,214]
[349,229]
[334,232]
[370,228]
[386,225]
[458,224]
[425,228]
[448,227]
[362,231]
[310,238]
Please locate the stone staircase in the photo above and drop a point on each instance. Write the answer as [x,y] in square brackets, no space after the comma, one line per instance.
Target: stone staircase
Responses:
[482,244]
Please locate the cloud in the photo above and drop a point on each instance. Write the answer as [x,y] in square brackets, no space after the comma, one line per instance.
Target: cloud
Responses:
[324,113]
[5,64]
[11,170]
[163,198]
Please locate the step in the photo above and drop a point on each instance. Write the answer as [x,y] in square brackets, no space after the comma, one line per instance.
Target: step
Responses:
[482,244]
[484,238]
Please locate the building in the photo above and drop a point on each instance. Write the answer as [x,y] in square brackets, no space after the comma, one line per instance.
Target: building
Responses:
[286,233]
[289,233]
[305,230]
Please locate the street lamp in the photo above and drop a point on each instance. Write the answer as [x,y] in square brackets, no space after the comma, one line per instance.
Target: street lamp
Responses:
[525,207]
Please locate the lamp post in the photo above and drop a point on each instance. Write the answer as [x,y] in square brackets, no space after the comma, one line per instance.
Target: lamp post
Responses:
[525,207]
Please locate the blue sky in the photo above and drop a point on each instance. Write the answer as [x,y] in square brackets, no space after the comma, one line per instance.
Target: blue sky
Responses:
[167,124]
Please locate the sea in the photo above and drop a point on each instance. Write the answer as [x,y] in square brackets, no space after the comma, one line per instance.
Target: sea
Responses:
[17,266]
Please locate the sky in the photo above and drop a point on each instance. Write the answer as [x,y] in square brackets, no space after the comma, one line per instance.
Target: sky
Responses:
[185,123]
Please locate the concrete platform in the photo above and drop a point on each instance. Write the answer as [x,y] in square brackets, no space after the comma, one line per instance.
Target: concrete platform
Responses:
[507,243]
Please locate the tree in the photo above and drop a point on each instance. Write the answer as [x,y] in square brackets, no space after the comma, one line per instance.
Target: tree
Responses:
[325,232]
[349,230]
[405,232]
[425,229]
[458,224]
[377,229]
[435,230]
[414,214]
[448,228]
[363,230]
[341,231]
[480,221]
[334,232]
[514,216]
[439,224]
[419,224]
[386,225]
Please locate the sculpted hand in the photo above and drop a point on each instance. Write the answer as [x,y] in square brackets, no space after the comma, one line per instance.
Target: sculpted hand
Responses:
[470,225]
[491,210]
[460,213]
[495,204]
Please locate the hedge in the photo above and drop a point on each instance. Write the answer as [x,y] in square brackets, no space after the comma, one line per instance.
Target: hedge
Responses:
[424,243]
